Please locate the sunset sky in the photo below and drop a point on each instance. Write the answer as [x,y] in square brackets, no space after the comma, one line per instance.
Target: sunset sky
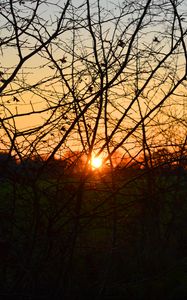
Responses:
[60,81]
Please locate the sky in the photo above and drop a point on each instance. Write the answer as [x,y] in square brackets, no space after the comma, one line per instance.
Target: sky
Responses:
[82,73]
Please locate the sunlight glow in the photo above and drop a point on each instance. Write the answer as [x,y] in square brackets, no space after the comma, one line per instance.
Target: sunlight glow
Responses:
[96,162]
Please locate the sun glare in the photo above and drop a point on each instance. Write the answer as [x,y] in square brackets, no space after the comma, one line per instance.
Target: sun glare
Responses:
[96,162]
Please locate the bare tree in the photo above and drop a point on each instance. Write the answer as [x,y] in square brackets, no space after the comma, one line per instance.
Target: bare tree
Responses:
[90,77]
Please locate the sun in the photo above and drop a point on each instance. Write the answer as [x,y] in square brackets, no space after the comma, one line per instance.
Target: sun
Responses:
[96,162]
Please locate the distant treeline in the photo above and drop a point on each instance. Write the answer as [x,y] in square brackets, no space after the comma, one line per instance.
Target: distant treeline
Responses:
[161,162]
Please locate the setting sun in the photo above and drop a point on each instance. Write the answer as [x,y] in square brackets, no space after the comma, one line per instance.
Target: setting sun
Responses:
[96,162]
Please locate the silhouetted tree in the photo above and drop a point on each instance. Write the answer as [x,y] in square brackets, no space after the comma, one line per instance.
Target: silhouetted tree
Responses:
[84,77]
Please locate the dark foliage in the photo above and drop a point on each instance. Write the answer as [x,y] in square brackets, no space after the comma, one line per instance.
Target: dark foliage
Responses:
[65,238]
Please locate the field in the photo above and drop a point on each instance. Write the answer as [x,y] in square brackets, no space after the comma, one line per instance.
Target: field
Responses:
[99,236]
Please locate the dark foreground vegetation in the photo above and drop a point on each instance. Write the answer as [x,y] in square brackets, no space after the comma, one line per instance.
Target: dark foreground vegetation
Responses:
[68,236]
[106,78]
